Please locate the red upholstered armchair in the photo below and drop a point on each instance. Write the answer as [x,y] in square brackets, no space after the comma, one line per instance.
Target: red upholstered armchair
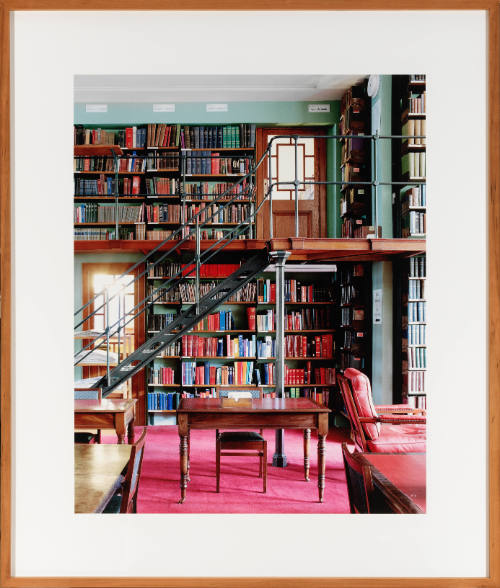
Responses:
[385,429]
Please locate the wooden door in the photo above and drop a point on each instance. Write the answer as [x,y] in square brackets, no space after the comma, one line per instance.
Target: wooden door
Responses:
[311,166]
[94,277]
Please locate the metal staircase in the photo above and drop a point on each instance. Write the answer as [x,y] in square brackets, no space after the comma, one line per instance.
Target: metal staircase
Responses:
[184,322]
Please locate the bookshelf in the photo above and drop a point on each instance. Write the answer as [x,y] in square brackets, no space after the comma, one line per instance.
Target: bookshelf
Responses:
[355,202]
[236,345]
[142,182]
[354,320]
[410,209]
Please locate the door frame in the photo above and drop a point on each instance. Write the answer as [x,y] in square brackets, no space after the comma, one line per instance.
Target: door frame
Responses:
[118,268]
[262,222]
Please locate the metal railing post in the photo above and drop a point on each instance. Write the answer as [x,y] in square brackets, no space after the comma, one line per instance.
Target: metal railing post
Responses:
[280,257]
[296,184]
[197,292]
[375,182]
[270,187]
[107,332]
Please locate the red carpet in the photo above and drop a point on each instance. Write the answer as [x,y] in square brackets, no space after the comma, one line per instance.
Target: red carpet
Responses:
[241,488]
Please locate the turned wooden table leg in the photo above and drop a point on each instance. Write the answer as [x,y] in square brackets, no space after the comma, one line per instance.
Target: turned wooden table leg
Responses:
[130,432]
[307,445]
[322,433]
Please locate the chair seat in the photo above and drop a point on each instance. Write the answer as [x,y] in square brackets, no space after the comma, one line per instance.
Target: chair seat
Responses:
[84,437]
[399,439]
[234,436]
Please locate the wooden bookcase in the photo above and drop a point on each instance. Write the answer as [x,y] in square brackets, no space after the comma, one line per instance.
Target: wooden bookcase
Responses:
[249,310]
[154,178]
[355,203]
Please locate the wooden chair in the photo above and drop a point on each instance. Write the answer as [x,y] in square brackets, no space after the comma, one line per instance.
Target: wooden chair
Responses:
[359,483]
[87,437]
[242,443]
[125,500]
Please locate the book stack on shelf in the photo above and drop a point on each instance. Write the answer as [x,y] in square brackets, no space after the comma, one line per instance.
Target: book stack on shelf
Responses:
[162,162]
[237,344]
[414,327]
[355,208]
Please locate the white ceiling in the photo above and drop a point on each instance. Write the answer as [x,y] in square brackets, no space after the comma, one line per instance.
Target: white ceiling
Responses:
[211,88]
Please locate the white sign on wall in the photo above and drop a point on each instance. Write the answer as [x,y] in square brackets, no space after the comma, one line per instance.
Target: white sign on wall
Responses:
[377,307]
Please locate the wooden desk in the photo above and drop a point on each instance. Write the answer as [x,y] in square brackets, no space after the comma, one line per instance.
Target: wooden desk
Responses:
[97,474]
[265,413]
[401,477]
[110,413]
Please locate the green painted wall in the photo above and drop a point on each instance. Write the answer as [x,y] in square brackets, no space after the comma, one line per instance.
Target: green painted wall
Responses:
[333,155]
[382,343]
[283,113]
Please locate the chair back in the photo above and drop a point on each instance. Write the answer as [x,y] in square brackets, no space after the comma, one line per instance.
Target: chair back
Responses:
[131,484]
[361,393]
[358,477]
[357,432]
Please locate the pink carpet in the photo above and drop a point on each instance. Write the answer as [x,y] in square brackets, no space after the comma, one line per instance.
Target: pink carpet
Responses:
[241,488]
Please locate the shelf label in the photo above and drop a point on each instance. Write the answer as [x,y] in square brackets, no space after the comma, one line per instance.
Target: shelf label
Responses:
[163,107]
[217,108]
[377,307]
[318,108]
[96,108]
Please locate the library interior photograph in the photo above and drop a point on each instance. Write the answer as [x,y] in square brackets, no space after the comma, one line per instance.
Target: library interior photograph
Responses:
[249,293]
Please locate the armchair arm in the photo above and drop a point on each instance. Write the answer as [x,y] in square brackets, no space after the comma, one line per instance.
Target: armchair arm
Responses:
[402,419]
[398,409]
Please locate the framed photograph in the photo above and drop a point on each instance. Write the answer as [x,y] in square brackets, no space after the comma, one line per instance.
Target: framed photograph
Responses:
[63,70]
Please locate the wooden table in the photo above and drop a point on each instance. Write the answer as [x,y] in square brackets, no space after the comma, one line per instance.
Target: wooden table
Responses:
[98,474]
[109,413]
[401,477]
[259,413]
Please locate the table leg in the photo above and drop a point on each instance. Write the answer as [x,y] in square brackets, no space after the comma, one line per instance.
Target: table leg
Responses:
[120,428]
[321,465]
[307,444]
[183,447]
[188,478]
[130,432]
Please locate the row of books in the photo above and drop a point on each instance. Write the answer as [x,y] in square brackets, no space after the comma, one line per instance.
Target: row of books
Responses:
[354,149]
[163,161]
[416,312]
[208,374]
[163,135]
[186,292]
[96,234]
[414,129]
[416,335]
[353,338]
[207,393]
[295,291]
[350,315]
[417,357]
[413,223]
[240,346]
[230,213]
[357,229]
[95,163]
[158,322]
[309,346]
[152,235]
[266,321]
[130,137]
[415,381]
[208,163]
[354,172]
[309,318]
[107,186]
[413,165]
[210,190]
[306,375]
[350,293]
[416,105]
[417,78]
[162,213]
[219,321]
[348,274]
[419,401]
[319,395]
[414,196]
[158,186]
[266,348]
[213,137]
[417,267]
[349,359]
[416,289]
[163,400]
[207,270]
[162,375]
[172,350]
[101,213]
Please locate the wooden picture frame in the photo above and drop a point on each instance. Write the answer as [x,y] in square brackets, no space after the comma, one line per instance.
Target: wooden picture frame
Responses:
[7,430]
